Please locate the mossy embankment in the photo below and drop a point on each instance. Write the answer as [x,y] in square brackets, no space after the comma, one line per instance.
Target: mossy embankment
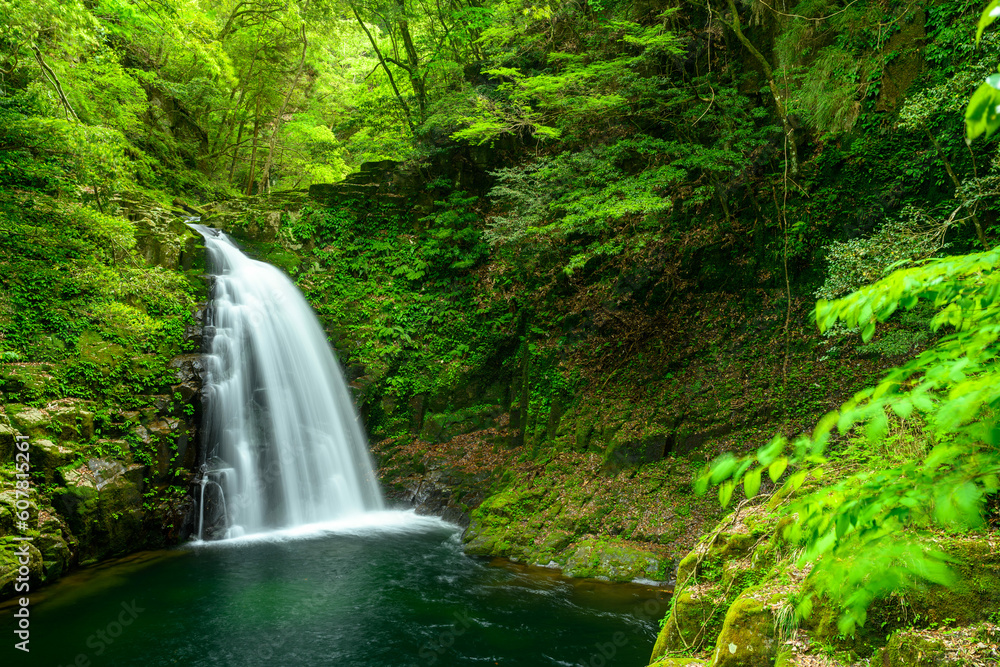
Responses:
[100,379]
[735,604]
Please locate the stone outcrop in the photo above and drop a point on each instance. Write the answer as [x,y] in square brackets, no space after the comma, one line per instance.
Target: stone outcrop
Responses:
[735,605]
[101,468]
[161,235]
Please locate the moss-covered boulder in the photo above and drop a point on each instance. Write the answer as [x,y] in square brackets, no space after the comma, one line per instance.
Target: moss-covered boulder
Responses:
[161,237]
[748,637]
[28,382]
[976,593]
[723,548]
[48,456]
[445,426]
[9,511]
[8,435]
[552,544]
[492,538]
[74,415]
[678,662]
[102,355]
[29,421]
[613,559]
[977,644]
[693,620]
[910,650]
[716,588]
[11,572]
[56,555]
[68,419]
[972,597]
[102,503]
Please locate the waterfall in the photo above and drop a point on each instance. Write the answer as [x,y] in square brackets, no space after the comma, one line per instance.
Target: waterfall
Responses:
[283,442]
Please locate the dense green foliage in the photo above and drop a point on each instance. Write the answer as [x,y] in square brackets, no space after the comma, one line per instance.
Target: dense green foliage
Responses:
[415,338]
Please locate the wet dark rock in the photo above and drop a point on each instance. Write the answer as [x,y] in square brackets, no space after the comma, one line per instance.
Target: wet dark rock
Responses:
[444,427]
[444,492]
[188,368]
[644,450]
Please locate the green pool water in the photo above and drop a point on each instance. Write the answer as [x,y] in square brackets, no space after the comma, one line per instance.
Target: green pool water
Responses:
[398,593]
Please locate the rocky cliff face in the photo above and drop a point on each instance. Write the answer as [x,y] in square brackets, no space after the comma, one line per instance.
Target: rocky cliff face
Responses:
[103,485]
[105,479]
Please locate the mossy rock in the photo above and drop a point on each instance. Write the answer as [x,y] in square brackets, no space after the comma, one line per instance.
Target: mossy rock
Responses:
[679,662]
[285,260]
[484,538]
[75,416]
[68,421]
[612,559]
[445,426]
[748,637]
[725,547]
[690,622]
[552,544]
[907,649]
[46,348]
[976,593]
[102,354]
[513,504]
[8,438]
[48,456]
[102,503]
[28,382]
[8,510]
[584,431]
[10,566]
[56,555]
[29,421]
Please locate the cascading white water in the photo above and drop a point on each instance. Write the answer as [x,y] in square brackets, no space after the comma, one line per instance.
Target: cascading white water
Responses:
[285,445]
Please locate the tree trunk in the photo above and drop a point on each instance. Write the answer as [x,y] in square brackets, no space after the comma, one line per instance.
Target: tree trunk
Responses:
[265,175]
[980,234]
[236,152]
[53,80]
[779,101]
[413,60]
[253,152]
[385,66]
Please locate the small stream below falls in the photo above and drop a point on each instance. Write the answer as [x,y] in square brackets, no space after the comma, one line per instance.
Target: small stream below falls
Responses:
[392,590]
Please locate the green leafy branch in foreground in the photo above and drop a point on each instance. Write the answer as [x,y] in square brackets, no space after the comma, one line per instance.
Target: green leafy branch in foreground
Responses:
[867,534]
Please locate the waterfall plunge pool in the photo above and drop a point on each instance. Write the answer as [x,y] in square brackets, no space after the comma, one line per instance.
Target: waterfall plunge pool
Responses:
[389,589]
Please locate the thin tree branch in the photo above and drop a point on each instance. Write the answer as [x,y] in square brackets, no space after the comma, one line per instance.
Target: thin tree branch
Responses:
[54,82]
[381,59]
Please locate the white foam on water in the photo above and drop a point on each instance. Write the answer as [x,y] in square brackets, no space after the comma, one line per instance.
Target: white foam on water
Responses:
[367,523]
